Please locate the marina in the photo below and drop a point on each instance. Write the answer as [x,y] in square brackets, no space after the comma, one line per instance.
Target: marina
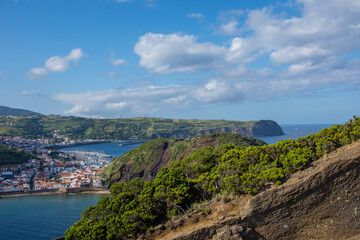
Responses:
[87,159]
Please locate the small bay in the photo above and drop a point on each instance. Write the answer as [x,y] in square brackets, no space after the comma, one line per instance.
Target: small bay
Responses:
[113,149]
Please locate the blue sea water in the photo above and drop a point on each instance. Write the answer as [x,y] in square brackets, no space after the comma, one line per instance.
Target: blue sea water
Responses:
[295,132]
[111,148]
[43,216]
[46,217]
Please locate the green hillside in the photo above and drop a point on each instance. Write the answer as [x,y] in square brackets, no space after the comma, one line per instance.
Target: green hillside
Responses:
[16,111]
[137,207]
[128,128]
[147,160]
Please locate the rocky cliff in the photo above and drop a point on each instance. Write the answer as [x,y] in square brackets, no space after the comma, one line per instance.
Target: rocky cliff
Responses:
[258,129]
[322,202]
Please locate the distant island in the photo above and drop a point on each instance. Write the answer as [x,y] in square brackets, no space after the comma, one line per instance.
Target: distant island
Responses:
[60,127]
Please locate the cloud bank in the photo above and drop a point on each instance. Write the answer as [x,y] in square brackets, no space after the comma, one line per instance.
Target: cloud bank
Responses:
[271,55]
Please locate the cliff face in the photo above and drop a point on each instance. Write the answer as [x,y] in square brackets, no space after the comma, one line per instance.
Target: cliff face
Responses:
[266,128]
[258,129]
[322,202]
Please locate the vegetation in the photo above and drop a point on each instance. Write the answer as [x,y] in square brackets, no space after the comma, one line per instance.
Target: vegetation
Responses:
[131,209]
[164,150]
[16,111]
[13,156]
[114,129]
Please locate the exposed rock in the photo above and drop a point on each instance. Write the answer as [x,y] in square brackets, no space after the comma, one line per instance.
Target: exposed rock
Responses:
[257,129]
[321,202]
[260,128]
[236,232]
[227,230]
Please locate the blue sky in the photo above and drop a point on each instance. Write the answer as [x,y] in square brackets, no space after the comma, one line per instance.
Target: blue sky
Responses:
[291,61]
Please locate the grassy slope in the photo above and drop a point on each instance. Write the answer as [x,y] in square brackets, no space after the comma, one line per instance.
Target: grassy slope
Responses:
[125,128]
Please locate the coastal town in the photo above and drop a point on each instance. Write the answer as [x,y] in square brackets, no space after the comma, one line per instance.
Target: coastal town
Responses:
[49,169]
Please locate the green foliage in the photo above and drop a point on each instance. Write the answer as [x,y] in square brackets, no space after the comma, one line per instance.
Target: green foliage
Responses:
[136,207]
[16,111]
[207,210]
[13,156]
[154,150]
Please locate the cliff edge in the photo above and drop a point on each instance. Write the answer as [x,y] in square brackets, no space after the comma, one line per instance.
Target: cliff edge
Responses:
[321,202]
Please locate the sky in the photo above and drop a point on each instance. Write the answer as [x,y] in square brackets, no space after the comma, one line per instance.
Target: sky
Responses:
[292,61]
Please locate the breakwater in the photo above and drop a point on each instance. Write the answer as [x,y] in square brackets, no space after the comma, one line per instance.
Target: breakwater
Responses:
[87,154]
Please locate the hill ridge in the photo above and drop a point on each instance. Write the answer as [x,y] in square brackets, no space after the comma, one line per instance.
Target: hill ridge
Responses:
[16,111]
[130,128]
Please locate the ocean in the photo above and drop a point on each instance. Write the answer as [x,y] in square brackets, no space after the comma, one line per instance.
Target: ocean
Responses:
[295,131]
[41,216]
[48,216]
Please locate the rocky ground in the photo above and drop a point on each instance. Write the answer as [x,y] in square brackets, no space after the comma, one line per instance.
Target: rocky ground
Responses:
[322,202]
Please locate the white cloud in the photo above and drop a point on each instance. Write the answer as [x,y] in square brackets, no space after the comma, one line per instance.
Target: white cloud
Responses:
[195,15]
[229,28]
[116,62]
[31,92]
[229,25]
[134,102]
[177,53]
[122,1]
[322,31]
[238,86]
[277,56]
[56,64]
[293,54]
[35,73]
[75,55]
[111,74]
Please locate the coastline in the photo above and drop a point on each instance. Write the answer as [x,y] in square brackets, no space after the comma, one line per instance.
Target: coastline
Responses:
[49,192]
[121,143]
[78,144]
